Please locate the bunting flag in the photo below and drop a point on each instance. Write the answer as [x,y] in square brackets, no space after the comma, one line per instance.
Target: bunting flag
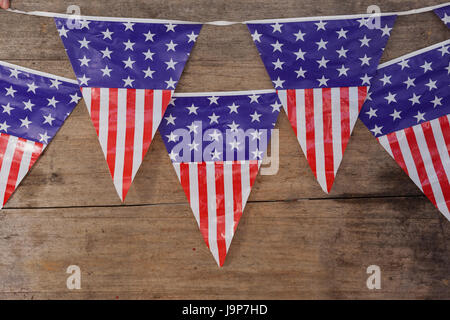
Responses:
[34,105]
[321,68]
[127,70]
[216,142]
[444,14]
[408,111]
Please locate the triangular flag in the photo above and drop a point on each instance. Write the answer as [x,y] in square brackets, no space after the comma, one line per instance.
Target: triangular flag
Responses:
[444,14]
[34,107]
[321,68]
[128,70]
[408,111]
[216,142]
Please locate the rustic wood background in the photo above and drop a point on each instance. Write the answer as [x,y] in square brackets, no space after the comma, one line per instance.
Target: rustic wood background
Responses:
[293,241]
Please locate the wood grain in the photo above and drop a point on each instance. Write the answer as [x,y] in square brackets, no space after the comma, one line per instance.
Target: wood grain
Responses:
[293,241]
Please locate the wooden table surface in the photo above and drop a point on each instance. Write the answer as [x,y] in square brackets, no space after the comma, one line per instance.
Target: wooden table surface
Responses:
[293,241]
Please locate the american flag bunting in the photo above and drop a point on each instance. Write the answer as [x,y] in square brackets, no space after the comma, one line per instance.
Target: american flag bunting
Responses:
[444,14]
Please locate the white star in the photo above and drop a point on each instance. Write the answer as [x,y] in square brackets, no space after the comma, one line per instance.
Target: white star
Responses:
[55,83]
[233,127]
[254,98]
[278,64]
[386,79]
[171,46]
[14,73]
[257,154]
[10,91]
[414,99]
[255,116]
[420,116]
[84,24]
[376,130]
[323,62]
[444,50]
[84,80]
[192,128]
[74,98]
[321,44]
[32,87]
[149,36]
[213,118]
[148,55]
[365,60]
[431,84]
[409,82]
[192,109]
[278,83]
[299,35]
[107,34]
[28,105]
[84,61]
[372,113]
[276,46]
[342,52]
[234,145]
[343,71]
[128,82]
[44,137]
[256,135]
[192,37]
[300,73]
[148,73]
[172,101]
[170,119]
[426,66]
[129,45]
[390,98]
[300,54]
[106,53]
[106,71]
[84,43]
[172,137]
[276,27]
[173,156]
[320,25]
[366,79]
[446,18]
[170,27]
[362,22]
[52,102]
[342,33]
[404,64]
[386,30]
[215,135]
[63,32]
[4,126]
[212,100]
[395,115]
[216,154]
[448,68]
[276,107]
[170,64]
[48,119]
[365,41]
[256,36]
[7,108]
[170,83]
[323,81]
[436,102]
[129,63]
[129,26]
[233,108]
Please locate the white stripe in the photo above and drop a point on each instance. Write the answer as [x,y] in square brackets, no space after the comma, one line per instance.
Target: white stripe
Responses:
[228,203]
[383,140]
[353,106]
[300,116]
[441,146]
[157,103]
[407,157]
[245,182]
[120,141]
[282,95]
[6,165]
[429,168]
[25,162]
[87,98]
[193,191]
[336,127]
[138,130]
[318,136]
[176,166]
[103,120]
[212,210]
[222,93]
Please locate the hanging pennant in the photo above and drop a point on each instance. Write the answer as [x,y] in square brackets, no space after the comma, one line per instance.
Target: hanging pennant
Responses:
[321,68]
[408,111]
[128,70]
[444,14]
[216,142]
[34,106]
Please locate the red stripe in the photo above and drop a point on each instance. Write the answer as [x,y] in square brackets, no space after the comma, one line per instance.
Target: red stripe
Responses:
[345,118]
[327,117]
[148,121]
[310,135]
[37,150]
[95,107]
[445,127]
[436,159]
[396,151]
[129,142]
[237,193]
[291,108]
[415,152]
[203,201]
[220,212]
[253,171]
[112,130]
[184,179]
[362,93]
[19,148]
[166,96]
[4,138]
